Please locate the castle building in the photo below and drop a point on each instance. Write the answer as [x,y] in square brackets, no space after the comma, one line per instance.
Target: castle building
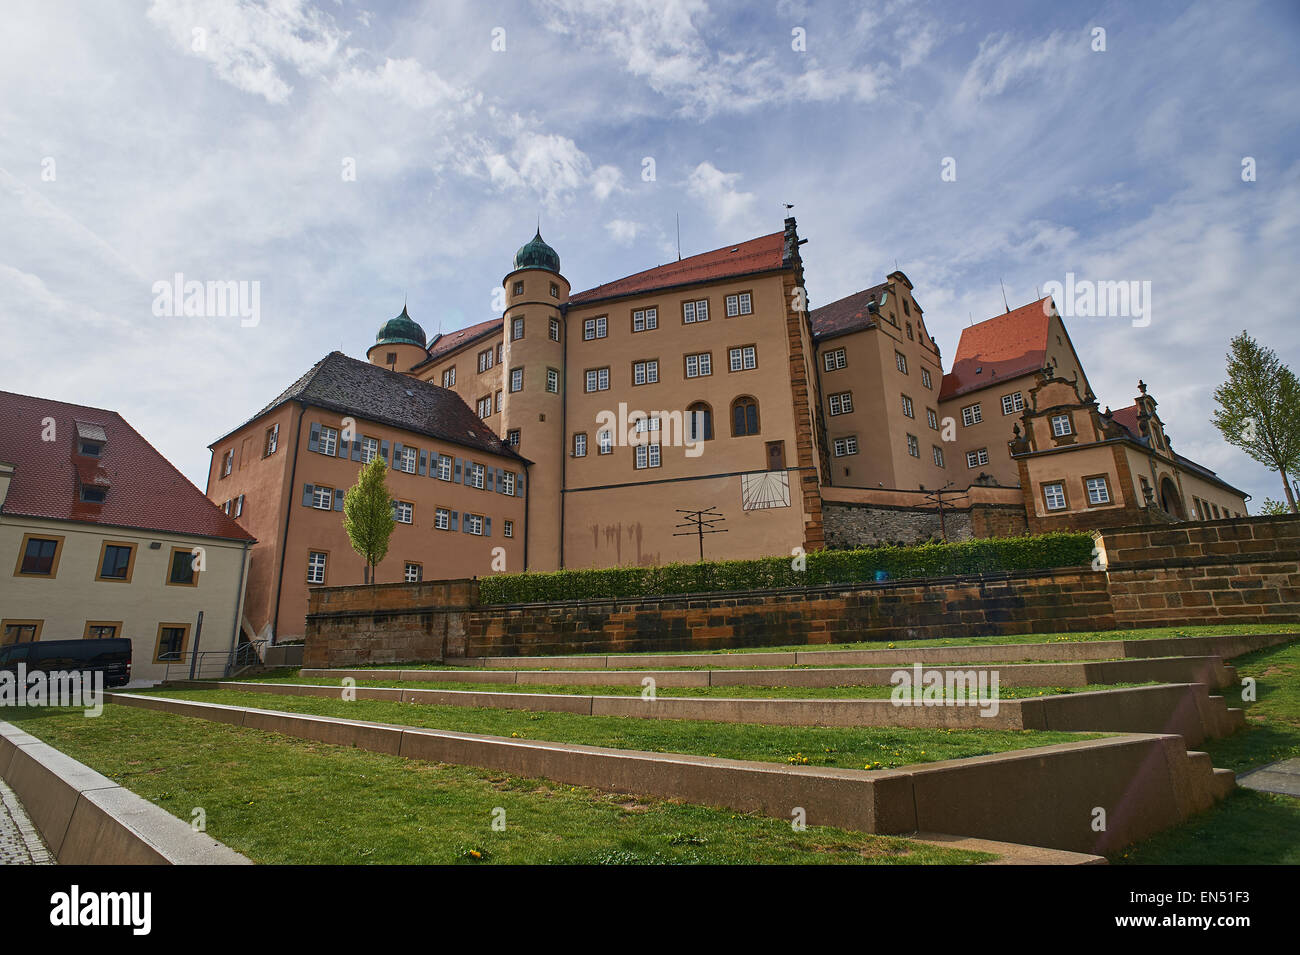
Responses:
[586,428]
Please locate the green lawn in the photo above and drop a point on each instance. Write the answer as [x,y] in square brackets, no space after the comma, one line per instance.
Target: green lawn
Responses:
[290,801]
[1148,633]
[846,747]
[745,692]
[1249,828]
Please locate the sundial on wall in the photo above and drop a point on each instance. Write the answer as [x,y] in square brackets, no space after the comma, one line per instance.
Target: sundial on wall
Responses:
[764,489]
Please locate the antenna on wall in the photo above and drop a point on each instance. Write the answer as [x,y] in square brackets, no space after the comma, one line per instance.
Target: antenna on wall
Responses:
[1004,296]
[679,237]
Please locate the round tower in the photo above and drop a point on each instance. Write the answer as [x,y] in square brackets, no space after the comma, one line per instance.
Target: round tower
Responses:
[533,382]
[399,345]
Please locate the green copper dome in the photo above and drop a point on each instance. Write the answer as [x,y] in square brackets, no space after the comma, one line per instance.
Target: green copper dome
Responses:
[401,330]
[537,255]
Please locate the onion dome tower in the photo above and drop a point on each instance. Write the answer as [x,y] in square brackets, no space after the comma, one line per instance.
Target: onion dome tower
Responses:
[399,345]
[533,381]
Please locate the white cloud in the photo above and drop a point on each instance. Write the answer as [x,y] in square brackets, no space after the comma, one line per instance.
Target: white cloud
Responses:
[622,231]
[606,181]
[717,190]
[249,44]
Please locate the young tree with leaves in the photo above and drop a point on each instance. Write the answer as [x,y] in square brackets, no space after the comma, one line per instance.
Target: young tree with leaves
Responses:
[368,515]
[1259,409]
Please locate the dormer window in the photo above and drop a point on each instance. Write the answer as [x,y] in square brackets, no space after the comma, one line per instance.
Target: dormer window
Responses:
[90,494]
[91,439]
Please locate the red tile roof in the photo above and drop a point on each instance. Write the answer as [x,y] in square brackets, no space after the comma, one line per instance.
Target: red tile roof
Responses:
[453,340]
[1128,417]
[847,314]
[998,349]
[764,254]
[144,490]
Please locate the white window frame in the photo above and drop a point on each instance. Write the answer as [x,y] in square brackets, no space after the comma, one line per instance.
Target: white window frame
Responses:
[553,330]
[605,441]
[401,508]
[645,372]
[406,573]
[695,311]
[599,377]
[475,475]
[445,465]
[645,319]
[507,528]
[971,415]
[516,380]
[449,377]
[1049,496]
[835,360]
[913,445]
[508,483]
[516,327]
[474,524]
[1066,428]
[926,380]
[909,410]
[932,418]
[978,458]
[442,519]
[739,303]
[937,454]
[1095,484]
[843,447]
[900,361]
[328,441]
[744,358]
[316,492]
[593,328]
[1012,403]
[841,403]
[699,365]
[580,445]
[552,381]
[369,449]
[485,407]
[316,568]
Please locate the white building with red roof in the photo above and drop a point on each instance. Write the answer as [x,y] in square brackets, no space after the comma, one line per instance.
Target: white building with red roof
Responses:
[106,538]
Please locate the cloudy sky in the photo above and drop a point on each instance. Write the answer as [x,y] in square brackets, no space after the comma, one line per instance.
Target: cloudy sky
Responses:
[349,155]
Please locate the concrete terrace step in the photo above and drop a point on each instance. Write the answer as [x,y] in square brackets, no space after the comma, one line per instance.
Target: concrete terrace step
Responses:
[1182,708]
[1223,646]
[1208,670]
[1044,796]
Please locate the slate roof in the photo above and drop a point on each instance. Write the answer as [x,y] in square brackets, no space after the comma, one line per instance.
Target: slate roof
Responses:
[144,489]
[848,314]
[348,386]
[999,349]
[764,254]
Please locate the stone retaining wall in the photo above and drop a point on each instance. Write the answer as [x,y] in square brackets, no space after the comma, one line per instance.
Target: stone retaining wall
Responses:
[1243,570]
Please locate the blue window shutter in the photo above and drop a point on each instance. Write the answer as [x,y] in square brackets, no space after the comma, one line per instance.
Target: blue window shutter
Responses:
[306,495]
[424,457]
[491,475]
[464,524]
[397,451]
[338,499]
[383,450]
[342,450]
[455,519]
[487,527]
[356,448]
[394,506]
[456,474]
[519,484]
[313,442]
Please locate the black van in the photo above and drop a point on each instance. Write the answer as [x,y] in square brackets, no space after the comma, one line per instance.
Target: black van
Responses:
[112,657]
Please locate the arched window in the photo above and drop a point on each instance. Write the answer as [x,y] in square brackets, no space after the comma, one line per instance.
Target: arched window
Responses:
[744,416]
[699,422]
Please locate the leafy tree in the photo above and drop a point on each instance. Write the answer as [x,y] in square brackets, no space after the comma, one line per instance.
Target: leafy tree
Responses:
[1272,507]
[368,515]
[1259,409]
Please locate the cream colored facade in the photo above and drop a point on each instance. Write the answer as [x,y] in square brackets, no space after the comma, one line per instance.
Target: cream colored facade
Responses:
[571,374]
[891,372]
[68,603]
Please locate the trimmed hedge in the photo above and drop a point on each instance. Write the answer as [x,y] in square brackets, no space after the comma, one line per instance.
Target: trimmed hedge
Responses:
[986,555]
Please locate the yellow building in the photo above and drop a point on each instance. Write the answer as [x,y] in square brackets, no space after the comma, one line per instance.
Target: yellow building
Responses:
[106,539]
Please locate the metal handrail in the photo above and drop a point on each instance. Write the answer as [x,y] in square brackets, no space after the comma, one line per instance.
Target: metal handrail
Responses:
[213,664]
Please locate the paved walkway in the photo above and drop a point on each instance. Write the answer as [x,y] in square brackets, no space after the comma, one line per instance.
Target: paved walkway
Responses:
[19,842]
[1281,777]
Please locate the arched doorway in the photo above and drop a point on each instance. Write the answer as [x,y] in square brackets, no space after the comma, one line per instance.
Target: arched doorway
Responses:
[1170,501]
